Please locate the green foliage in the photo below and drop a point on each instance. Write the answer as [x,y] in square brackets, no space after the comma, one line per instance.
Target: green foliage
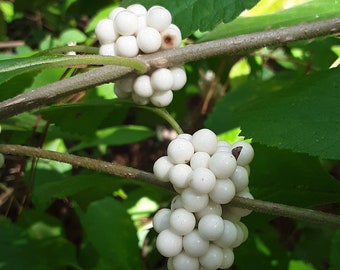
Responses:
[285,100]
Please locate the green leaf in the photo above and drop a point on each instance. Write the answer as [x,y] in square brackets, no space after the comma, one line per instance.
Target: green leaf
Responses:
[300,115]
[72,35]
[110,230]
[311,11]
[192,15]
[335,251]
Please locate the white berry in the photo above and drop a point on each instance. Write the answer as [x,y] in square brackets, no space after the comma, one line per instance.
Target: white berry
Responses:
[199,160]
[162,79]
[204,140]
[202,180]
[229,235]
[240,178]
[180,151]
[182,221]
[193,201]
[185,136]
[228,258]
[168,243]
[115,11]
[211,208]
[107,49]
[161,220]
[126,46]
[213,259]
[211,227]
[139,100]
[223,192]
[180,78]
[126,23]
[179,175]
[176,203]
[185,261]
[222,164]
[161,168]
[137,9]
[105,31]
[159,18]
[161,99]
[194,244]
[149,40]
[171,37]
[142,86]
[246,153]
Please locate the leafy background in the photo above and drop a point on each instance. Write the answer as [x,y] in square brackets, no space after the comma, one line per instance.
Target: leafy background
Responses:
[285,99]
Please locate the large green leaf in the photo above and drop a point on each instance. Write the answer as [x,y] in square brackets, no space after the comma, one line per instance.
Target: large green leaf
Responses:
[335,251]
[110,230]
[301,115]
[311,11]
[192,15]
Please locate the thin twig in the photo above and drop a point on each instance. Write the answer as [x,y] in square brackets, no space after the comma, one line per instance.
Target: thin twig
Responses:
[146,177]
[174,57]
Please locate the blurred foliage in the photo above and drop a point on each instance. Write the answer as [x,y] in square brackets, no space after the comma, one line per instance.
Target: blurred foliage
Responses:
[284,99]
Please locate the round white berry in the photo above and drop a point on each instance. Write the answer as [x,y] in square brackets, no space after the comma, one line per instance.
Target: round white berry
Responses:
[180,78]
[202,180]
[182,221]
[171,37]
[211,227]
[194,244]
[115,11]
[213,258]
[242,234]
[185,136]
[211,209]
[139,100]
[137,9]
[223,146]
[176,203]
[228,236]
[149,40]
[193,201]
[126,46]
[161,220]
[199,160]
[184,261]
[179,175]
[142,86]
[120,93]
[126,23]
[245,154]
[107,49]
[228,258]
[159,18]
[161,99]
[162,79]
[168,243]
[222,164]
[223,192]
[204,140]
[180,151]
[161,168]
[240,178]
[105,31]
[141,24]
[123,87]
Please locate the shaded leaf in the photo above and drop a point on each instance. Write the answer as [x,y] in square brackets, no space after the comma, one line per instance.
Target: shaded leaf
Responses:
[335,251]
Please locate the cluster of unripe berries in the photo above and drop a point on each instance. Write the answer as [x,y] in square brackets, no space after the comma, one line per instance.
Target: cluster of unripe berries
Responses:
[200,230]
[135,30]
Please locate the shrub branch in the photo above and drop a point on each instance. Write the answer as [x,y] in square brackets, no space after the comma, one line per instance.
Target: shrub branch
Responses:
[146,177]
[234,45]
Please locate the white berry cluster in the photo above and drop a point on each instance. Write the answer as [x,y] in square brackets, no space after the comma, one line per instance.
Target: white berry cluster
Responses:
[135,30]
[200,230]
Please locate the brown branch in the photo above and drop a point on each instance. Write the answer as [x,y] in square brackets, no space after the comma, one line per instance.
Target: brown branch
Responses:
[234,45]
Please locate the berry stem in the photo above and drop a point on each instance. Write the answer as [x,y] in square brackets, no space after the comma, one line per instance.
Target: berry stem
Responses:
[146,177]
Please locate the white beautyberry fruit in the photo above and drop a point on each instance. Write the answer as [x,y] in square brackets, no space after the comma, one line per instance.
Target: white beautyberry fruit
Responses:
[161,220]
[242,234]
[228,258]
[162,79]
[179,175]
[185,136]
[211,227]
[176,203]
[199,160]
[149,40]
[213,258]
[240,178]
[161,168]
[139,100]
[107,49]
[141,24]
[184,261]
[159,18]
[182,221]
[204,140]
[211,209]
[223,146]
[161,99]
[142,86]
[115,11]
[193,201]
[180,151]
[137,9]
[222,164]
[126,46]
[223,192]
[229,235]
[180,78]
[245,154]
[168,243]
[123,87]
[171,37]
[120,93]
[202,180]
[105,31]
[194,244]
[126,23]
